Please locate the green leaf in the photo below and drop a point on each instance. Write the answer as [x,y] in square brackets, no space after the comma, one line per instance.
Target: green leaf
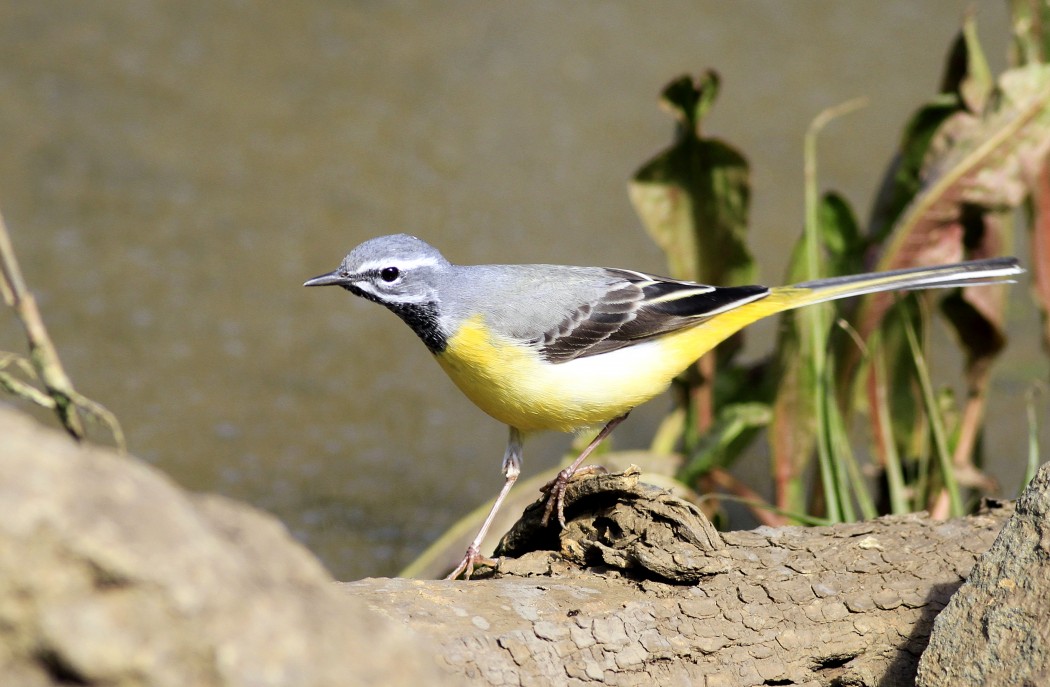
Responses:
[1031,44]
[1039,255]
[733,428]
[904,401]
[689,103]
[792,433]
[903,179]
[693,197]
[977,86]
[844,245]
[967,73]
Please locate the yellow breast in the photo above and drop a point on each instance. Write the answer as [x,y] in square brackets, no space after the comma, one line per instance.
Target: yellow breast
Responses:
[513,384]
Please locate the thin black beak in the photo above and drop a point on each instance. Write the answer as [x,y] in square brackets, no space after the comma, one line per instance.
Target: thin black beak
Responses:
[330,279]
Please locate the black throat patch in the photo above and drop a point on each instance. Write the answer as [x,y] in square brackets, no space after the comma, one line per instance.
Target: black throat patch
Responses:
[421,317]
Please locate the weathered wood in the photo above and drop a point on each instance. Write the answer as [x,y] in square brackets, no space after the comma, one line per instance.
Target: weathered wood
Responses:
[850,604]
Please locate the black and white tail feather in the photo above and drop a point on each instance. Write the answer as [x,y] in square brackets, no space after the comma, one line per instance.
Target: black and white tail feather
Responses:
[640,306]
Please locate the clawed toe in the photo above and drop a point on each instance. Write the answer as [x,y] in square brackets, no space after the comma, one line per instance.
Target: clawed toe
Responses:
[555,491]
[466,566]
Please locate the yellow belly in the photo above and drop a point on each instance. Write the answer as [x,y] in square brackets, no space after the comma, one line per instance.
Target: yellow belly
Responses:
[516,386]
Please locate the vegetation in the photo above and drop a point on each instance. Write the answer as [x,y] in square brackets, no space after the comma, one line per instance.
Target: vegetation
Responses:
[968,161]
[41,379]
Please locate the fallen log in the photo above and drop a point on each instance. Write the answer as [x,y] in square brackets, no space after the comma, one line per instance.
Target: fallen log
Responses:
[639,590]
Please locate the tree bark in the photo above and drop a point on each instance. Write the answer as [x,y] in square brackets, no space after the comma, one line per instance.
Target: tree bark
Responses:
[850,604]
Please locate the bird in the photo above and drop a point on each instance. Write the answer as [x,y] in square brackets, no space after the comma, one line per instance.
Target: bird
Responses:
[565,348]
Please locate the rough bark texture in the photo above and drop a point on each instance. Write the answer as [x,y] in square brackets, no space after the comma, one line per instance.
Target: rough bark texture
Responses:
[616,521]
[846,605]
[111,575]
[996,629]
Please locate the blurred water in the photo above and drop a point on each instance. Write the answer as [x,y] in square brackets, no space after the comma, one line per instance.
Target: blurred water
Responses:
[173,171]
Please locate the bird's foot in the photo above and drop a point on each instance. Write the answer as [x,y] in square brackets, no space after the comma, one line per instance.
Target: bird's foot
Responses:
[555,491]
[470,559]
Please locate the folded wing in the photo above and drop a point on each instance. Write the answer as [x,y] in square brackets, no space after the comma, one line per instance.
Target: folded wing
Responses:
[638,306]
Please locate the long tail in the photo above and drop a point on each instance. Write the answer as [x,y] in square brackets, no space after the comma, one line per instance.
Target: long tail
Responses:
[973,273]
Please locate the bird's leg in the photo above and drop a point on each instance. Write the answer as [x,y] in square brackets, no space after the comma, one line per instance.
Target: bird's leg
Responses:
[511,470]
[555,489]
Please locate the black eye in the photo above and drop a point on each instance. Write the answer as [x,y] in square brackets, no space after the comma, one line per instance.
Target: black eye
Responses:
[389,274]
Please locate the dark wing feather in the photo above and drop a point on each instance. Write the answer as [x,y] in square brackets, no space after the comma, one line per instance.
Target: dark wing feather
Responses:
[638,306]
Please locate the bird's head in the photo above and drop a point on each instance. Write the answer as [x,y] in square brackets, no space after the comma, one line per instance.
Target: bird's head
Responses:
[397,271]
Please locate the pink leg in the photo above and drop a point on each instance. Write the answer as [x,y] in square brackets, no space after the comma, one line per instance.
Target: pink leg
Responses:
[511,470]
[555,489]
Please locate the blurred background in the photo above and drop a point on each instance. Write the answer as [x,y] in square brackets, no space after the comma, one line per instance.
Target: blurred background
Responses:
[172,171]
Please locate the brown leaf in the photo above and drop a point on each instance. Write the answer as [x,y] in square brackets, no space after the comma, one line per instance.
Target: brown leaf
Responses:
[975,163]
[1040,253]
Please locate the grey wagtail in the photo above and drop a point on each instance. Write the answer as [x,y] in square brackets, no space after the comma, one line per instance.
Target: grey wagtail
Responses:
[564,348]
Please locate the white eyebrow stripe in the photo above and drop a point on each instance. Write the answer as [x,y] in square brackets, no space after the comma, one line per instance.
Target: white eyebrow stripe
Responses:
[395,262]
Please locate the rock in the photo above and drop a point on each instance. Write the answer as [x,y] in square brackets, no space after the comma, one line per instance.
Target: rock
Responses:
[994,631]
[110,574]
